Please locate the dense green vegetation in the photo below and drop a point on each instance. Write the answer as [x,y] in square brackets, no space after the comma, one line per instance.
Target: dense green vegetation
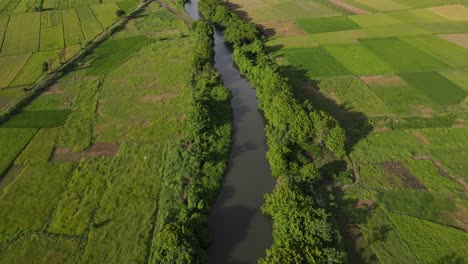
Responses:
[302,231]
[195,168]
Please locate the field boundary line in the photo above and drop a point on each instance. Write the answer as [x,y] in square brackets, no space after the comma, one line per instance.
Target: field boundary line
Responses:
[4,34]
[81,25]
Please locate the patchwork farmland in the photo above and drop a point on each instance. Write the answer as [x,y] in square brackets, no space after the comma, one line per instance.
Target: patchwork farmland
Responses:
[395,73]
[81,169]
[36,32]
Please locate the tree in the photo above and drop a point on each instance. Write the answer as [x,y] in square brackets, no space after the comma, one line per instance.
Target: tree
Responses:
[45,66]
[119,12]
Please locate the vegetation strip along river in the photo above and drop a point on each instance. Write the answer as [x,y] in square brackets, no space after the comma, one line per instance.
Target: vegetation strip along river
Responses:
[240,233]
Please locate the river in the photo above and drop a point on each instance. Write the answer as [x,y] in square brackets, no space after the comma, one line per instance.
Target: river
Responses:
[239,232]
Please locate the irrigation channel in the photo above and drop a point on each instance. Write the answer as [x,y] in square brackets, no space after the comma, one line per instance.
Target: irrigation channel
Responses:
[239,232]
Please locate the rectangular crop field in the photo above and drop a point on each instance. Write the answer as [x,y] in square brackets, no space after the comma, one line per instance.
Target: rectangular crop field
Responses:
[393,91]
[436,87]
[72,27]
[22,35]
[89,23]
[33,68]
[3,27]
[78,3]
[10,66]
[327,24]
[12,142]
[452,12]
[373,20]
[402,56]
[317,62]
[359,60]
[383,5]
[105,13]
[127,5]
[449,53]
[38,119]
[51,18]
[52,38]
[27,203]
[339,37]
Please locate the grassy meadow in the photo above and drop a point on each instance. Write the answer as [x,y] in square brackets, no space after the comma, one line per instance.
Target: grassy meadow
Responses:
[394,72]
[82,164]
[52,31]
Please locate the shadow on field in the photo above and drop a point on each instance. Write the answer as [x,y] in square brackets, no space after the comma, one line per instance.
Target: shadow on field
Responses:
[356,124]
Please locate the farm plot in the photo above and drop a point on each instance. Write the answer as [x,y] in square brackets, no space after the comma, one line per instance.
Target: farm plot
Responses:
[33,68]
[393,91]
[10,66]
[457,76]
[37,202]
[451,12]
[447,52]
[393,50]
[436,87]
[22,35]
[383,5]
[3,27]
[40,148]
[316,62]
[373,20]
[78,3]
[8,95]
[339,37]
[38,119]
[51,30]
[89,23]
[72,28]
[459,39]
[121,49]
[34,248]
[413,16]
[12,142]
[327,24]
[354,95]
[105,13]
[302,41]
[126,6]
[359,60]
[425,237]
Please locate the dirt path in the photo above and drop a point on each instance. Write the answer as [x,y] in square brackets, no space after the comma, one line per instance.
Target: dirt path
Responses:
[349,7]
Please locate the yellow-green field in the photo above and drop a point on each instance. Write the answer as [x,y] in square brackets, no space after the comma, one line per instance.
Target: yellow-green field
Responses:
[34,32]
[396,78]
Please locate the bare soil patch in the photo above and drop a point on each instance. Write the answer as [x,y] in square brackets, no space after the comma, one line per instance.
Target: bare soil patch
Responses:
[151,98]
[349,7]
[281,29]
[9,175]
[400,175]
[459,39]
[54,89]
[360,203]
[380,80]
[421,138]
[102,149]
[423,111]
[65,154]
[459,218]
[458,123]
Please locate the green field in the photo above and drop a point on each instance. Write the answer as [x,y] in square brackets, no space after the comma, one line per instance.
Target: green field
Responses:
[83,162]
[73,33]
[89,23]
[22,34]
[321,25]
[436,87]
[316,62]
[359,60]
[400,91]
[392,49]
